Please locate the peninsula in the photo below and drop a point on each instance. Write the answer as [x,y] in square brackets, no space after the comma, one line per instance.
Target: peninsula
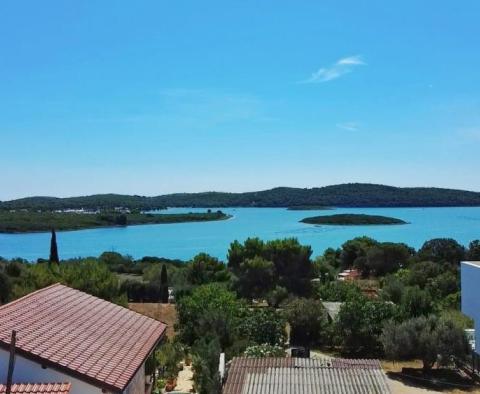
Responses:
[32,221]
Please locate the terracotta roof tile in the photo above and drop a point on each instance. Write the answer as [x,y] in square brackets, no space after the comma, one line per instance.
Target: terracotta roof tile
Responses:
[81,333]
[38,388]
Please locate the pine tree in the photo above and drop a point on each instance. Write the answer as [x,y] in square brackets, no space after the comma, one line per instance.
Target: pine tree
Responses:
[53,248]
[164,285]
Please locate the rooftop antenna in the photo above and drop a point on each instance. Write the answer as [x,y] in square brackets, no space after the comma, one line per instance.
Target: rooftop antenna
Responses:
[11,362]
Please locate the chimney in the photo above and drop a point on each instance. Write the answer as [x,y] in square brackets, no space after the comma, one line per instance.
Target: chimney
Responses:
[221,366]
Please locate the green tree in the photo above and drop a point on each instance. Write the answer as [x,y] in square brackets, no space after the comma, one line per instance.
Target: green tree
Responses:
[332,257]
[205,269]
[442,250]
[206,353]
[164,285]
[238,252]
[443,285]
[393,289]
[88,275]
[92,277]
[119,263]
[211,310]
[308,322]
[473,253]
[429,339]
[264,326]
[5,288]
[354,253]
[169,356]
[323,270]
[387,257]
[256,278]
[276,296]
[338,291]
[121,220]
[359,325]
[415,302]
[53,248]
[420,274]
[15,268]
[292,262]
[293,267]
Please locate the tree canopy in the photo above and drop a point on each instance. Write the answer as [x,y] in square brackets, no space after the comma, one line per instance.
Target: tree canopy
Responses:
[429,339]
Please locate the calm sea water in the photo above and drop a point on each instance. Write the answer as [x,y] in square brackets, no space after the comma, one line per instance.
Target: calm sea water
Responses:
[184,240]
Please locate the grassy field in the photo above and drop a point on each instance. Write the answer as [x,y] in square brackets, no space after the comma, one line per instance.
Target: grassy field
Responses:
[352,220]
[27,221]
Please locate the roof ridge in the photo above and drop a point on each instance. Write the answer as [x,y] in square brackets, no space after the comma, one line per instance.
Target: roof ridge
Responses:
[111,302]
[30,295]
[73,288]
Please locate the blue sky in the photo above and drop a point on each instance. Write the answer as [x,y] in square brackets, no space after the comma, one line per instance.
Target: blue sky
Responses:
[152,97]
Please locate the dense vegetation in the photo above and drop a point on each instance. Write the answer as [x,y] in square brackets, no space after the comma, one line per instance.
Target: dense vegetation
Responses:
[94,202]
[352,220]
[26,221]
[406,304]
[345,195]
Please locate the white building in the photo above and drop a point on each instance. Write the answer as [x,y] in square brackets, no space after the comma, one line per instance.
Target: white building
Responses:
[470,283]
[65,335]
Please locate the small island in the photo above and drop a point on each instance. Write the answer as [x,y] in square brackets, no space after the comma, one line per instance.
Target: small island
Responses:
[25,221]
[308,208]
[348,219]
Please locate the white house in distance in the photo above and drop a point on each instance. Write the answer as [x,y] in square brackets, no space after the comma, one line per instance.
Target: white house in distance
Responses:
[470,283]
[65,335]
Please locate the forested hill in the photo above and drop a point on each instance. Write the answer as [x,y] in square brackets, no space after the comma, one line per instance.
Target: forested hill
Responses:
[345,195]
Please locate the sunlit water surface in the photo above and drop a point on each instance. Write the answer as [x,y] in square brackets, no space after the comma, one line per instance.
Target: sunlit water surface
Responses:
[184,240]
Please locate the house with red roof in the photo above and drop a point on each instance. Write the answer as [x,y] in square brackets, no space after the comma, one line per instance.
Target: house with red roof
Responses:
[65,335]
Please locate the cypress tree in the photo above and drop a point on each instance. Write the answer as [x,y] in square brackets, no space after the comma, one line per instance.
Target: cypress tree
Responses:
[53,248]
[164,285]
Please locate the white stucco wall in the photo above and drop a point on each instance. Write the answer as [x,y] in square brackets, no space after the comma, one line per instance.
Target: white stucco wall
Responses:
[27,371]
[470,283]
[137,385]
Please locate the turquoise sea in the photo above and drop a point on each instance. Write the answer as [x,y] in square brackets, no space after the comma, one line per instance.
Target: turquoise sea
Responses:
[184,240]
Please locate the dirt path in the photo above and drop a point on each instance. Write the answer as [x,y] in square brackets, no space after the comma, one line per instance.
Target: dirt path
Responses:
[185,380]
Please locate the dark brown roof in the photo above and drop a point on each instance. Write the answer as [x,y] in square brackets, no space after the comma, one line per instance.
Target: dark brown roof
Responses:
[40,388]
[307,376]
[85,336]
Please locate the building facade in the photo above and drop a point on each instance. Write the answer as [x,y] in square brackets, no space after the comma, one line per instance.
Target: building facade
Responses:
[470,284]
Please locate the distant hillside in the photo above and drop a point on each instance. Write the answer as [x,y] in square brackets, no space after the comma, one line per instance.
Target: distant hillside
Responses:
[96,201]
[345,195]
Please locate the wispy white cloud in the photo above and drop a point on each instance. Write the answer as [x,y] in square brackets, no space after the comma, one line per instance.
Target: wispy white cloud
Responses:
[340,67]
[348,126]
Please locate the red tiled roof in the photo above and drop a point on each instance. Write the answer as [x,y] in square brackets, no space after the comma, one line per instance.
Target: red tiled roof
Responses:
[88,337]
[40,388]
